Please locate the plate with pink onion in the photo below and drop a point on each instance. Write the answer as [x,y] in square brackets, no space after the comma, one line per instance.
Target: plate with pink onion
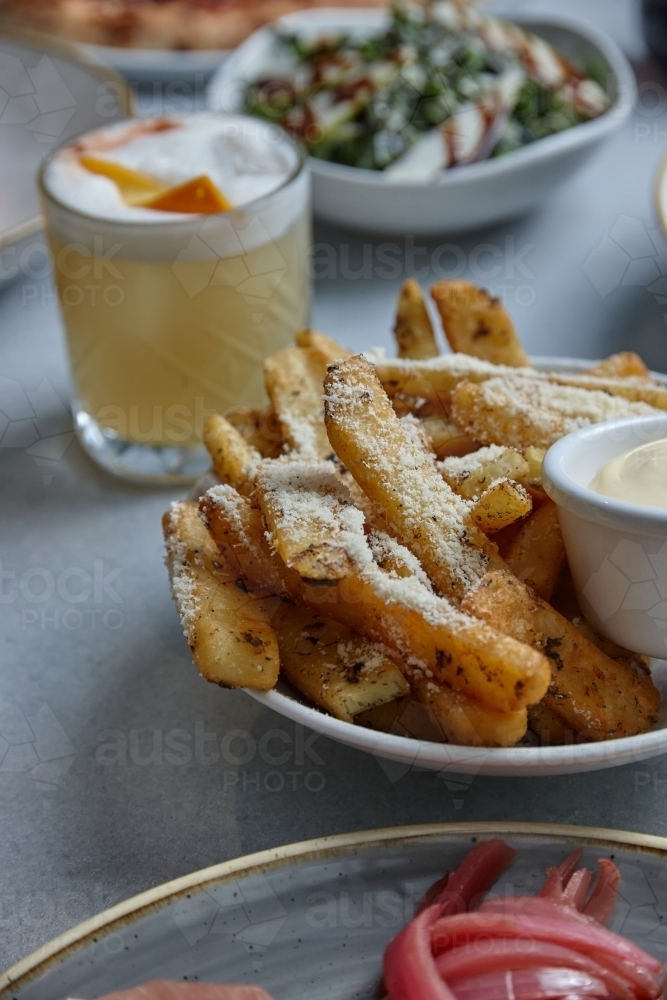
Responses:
[468,911]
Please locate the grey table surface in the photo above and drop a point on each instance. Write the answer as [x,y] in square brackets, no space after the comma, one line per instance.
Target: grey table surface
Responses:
[119,767]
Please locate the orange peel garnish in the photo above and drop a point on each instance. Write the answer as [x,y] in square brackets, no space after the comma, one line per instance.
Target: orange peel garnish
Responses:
[135,187]
[198,196]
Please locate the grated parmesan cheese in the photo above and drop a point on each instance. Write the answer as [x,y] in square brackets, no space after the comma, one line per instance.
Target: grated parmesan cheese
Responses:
[474,462]
[422,508]
[306,500]
[521,412]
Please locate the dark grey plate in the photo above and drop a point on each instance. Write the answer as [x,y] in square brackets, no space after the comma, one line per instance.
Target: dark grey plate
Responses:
[310,921]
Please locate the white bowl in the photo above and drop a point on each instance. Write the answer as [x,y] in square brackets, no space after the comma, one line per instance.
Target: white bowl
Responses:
[397,754]
[464,198]
[617,551]
[525,760]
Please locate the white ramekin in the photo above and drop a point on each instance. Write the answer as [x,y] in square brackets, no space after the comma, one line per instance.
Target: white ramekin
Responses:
[617,551]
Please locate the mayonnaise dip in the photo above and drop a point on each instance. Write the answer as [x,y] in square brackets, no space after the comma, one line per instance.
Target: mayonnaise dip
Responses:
[639,476]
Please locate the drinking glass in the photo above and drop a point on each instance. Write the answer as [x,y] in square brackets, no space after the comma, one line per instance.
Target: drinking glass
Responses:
[169,321]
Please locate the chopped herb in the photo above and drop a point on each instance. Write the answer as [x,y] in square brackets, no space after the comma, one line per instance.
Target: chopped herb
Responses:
[489,87]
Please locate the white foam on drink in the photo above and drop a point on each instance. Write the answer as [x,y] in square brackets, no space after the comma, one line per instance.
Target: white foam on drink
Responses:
[255,165]
[247,159]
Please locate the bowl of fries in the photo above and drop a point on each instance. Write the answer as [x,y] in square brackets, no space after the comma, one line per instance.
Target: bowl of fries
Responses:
[617,550]
[377,557]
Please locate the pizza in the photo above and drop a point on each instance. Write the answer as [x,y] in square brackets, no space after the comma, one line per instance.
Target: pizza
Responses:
[157,24]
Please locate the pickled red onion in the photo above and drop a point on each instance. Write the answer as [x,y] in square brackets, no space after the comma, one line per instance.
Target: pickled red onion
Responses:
[557,878]
[547,947]
[603,897]
[410,972]
[475,875]
[504,954]
[576,890]
[530,984]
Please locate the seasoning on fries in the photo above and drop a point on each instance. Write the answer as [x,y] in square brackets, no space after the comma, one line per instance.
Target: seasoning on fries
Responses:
[381,539]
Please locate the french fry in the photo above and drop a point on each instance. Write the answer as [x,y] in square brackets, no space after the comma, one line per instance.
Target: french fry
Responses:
[230,452]
[523,412]
[504,538]
[564,600]
[546,721]
[312,538]
[337,669]
[373,579]
[446,439]
[329,348]
[503,503]
[396,560]
[624,365]
[464,722]
[635,661]
[237,528]
[293,379]
[548,726]
[435,377]
[471,475]
[413,329]
[375,516]
[317,530]
[388,460]
[422,408]
[593,694]
[450,718]
[537,552]
[228,630]
[385,718]
[462,654]
[259,428]
[534,457]
[636,390]
[454,718]
[477,324]
[418,721]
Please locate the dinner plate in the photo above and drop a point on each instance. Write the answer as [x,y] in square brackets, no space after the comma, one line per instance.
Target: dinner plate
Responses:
[660,198]
[524,760]
[144,66]
[464,198]
[48,93]
[310,921]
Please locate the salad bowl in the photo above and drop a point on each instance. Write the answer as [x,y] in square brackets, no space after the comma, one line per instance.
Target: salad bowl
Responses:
[466,197]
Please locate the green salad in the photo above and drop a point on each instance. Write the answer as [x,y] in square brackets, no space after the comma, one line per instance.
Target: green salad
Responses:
[439,87]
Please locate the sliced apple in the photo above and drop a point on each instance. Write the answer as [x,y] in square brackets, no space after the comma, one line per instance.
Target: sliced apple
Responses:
[135,187]
[199,196]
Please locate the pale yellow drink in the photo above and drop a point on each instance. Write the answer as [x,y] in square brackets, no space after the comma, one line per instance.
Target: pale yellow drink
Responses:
[169,320]
[156,347]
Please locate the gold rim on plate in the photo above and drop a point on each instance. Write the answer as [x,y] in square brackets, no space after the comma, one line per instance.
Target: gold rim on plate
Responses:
[75,54]
[38,961]
[660,202]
